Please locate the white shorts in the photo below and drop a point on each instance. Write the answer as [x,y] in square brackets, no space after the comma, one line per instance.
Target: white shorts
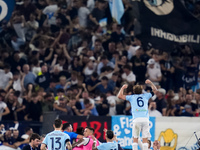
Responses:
[141,125]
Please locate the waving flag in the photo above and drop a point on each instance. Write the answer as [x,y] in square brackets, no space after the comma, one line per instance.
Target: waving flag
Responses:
[117,9]
[6,9]
[165,23]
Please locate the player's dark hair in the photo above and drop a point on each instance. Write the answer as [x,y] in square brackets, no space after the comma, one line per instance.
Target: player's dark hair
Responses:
[80,130]
[65,126]
[91,129]
[137,89]
[58,123]
[110,134]
[34,136]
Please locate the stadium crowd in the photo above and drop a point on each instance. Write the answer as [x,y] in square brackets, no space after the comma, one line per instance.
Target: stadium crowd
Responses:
[55,56]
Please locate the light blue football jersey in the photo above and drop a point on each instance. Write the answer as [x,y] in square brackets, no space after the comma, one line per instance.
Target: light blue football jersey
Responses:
[56,140]
[108,146]
[139,105]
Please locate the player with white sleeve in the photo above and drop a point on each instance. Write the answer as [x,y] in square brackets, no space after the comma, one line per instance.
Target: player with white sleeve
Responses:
[139,109]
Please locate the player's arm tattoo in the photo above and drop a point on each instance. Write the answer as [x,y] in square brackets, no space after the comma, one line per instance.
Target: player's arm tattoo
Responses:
[94,146]
[69,146]
[77,143]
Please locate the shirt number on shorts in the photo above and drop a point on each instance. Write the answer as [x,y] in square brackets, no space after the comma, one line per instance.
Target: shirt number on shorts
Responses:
[140,102]
[56,140]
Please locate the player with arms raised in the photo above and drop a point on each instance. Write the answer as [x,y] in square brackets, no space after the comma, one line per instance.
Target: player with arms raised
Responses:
[139,109]
[56,140]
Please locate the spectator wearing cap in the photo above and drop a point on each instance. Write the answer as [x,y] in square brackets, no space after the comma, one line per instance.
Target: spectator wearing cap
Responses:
[6,77]
[187,112]
[4,110]
[161,102]
[104,62]
[153,72]
[43,77]
[128,75]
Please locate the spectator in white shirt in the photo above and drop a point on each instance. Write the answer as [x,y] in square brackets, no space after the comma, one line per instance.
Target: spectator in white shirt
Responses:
[6,77]
[4,110]
[50,10]
[152,110]
[153,72]
[17,85]
[112,101]
[128,75]
[31,26]
[83,13]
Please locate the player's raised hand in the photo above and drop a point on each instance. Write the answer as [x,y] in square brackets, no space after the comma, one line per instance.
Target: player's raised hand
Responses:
[125,86]
[147,81]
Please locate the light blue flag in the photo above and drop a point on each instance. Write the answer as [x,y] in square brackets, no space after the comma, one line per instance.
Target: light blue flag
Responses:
[117,9]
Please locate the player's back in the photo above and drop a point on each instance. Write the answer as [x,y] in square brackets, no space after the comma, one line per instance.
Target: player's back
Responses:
[108,146]
[139,105]
[56,140]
